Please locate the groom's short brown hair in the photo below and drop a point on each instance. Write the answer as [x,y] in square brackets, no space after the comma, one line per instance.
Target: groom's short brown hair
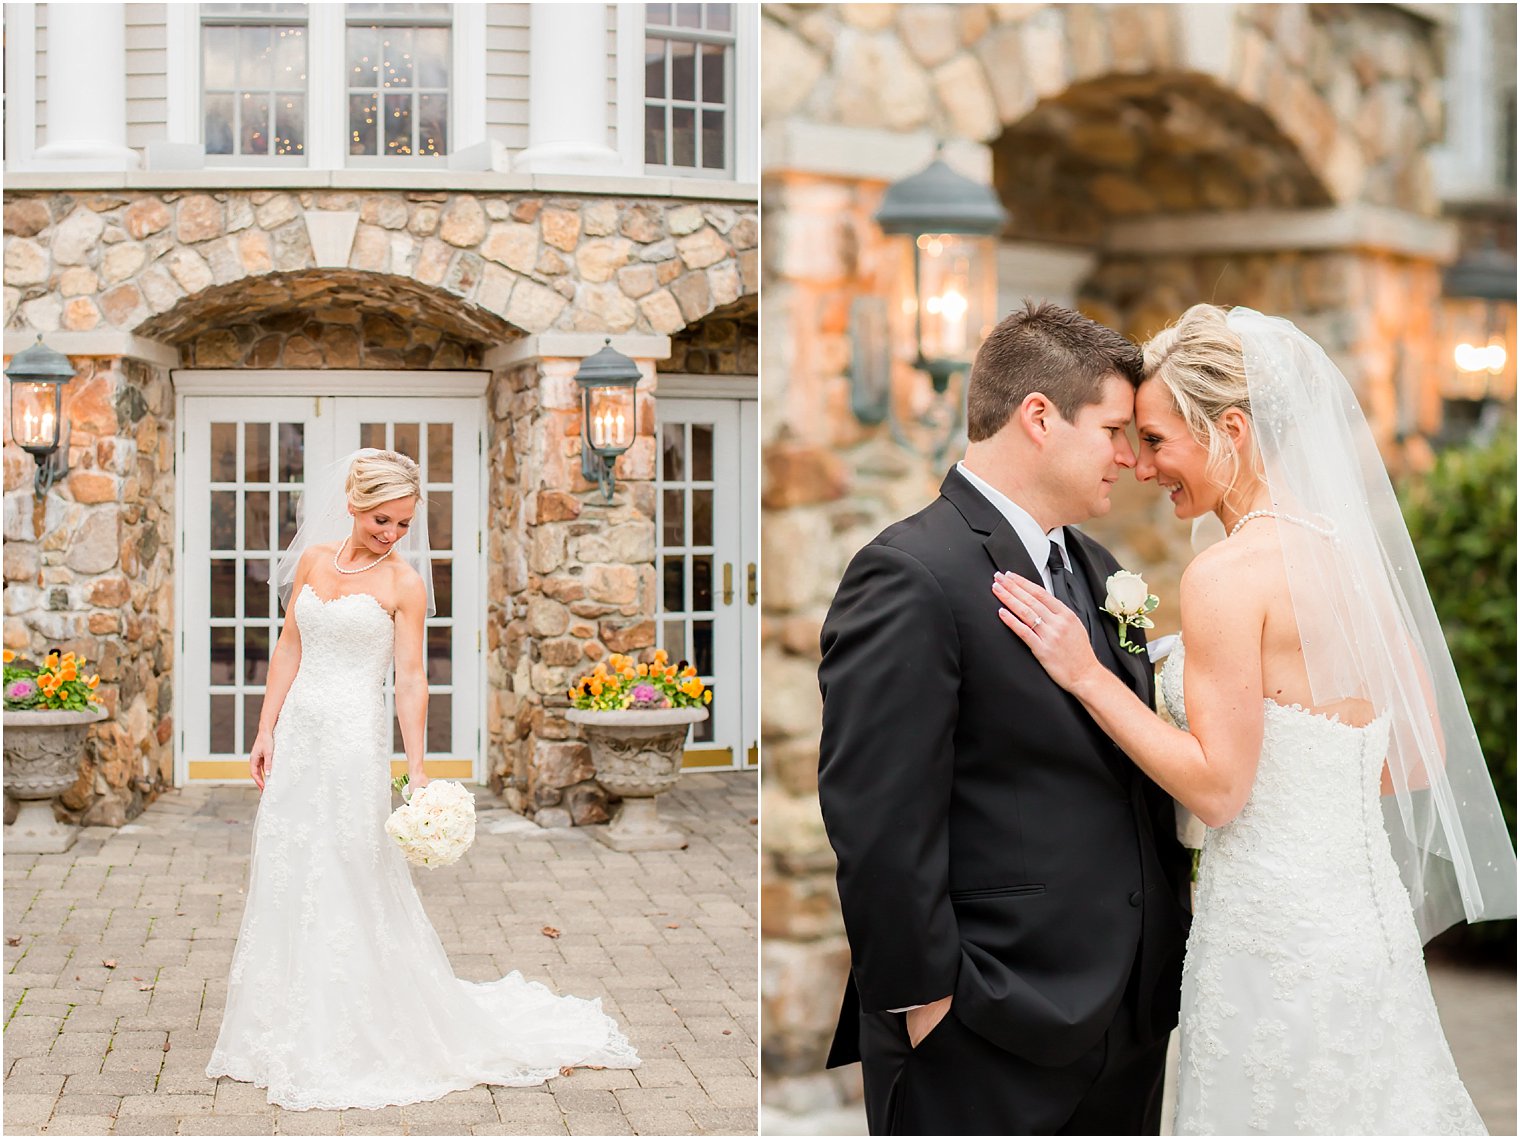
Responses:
[1044,348]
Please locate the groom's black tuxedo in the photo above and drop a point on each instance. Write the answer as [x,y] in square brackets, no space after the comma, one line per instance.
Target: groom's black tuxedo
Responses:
[992,844]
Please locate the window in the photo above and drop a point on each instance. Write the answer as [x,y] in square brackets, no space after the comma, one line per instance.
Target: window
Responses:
[253,82]
[689,88]
[398,66]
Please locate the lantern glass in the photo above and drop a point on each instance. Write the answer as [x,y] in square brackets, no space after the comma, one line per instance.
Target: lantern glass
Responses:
[1480,335]
[954,294]
[35,414]
[609,418]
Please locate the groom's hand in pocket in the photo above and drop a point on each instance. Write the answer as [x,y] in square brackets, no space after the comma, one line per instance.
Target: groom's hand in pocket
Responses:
[925,1018]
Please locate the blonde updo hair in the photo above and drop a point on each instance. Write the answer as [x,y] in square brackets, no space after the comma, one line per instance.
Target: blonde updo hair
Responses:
[382,476]
[1201,363]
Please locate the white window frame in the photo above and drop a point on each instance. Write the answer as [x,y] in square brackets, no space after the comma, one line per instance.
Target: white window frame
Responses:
[326,94]
[197,125]
[743,104]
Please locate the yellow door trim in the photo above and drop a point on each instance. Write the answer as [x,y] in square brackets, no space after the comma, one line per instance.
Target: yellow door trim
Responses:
[708,757]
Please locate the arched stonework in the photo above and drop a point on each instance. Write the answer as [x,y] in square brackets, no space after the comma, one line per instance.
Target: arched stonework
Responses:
[724,342]
[81,261]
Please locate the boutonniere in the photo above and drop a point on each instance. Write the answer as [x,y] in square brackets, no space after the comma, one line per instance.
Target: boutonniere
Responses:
[1129,600]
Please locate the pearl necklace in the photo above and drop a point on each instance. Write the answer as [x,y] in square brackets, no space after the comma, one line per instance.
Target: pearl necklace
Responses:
[361,569]
[1244,518]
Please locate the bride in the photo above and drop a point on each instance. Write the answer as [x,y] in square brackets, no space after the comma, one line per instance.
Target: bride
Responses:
[340,993]
[1323,738]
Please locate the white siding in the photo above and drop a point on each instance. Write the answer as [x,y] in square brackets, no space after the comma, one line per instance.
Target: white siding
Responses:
[147,74]
[41,75]
[507,74]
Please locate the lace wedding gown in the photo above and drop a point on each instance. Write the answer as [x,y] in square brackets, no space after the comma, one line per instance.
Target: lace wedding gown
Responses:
[1305,1005]
[340,993]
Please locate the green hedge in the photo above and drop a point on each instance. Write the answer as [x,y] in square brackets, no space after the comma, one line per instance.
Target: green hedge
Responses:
[1461,517]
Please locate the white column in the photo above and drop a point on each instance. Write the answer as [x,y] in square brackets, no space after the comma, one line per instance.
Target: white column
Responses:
[86,89]
[567,92]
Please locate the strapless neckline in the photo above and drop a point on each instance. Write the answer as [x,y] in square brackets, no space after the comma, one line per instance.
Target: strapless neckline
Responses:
[325,601]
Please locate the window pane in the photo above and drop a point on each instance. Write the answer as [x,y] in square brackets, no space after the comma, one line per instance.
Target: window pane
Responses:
[290,124]
[218,124]
[672,436]
[408,436]
[256,452]
[432,57]
[674,642]
[255,56]
[654,68]
[443,586]
[396,59]
[720,17]
[223,655]
[440,723]
[702,732]
[253,131]
[713,149]
[398,124]
[701,582]
[683,136]
[432,124]
[224,452]
[701,518]
[218,58]
[702,451]
[674,520]
[292,452]
[255,654]
[252,702]
[223,587]
[256,520]
[224,520]
[440,655]
[654,134]
[372,435]
[287,517]
[256,587]
[688,15]
[440,456]
[702,647]
[440,520]
[675,585]
[223,727]
[658,14]
[363,57]
[289,57]
[714,61]
[683,70]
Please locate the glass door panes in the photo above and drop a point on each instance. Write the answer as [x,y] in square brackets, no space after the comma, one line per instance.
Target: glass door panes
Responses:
[443,438]
[699,564]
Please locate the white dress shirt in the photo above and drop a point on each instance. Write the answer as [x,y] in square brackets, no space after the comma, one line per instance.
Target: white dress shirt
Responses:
[1035,540]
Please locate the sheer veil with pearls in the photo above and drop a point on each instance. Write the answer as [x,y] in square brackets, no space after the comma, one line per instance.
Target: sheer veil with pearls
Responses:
[1368,628]
[322,516]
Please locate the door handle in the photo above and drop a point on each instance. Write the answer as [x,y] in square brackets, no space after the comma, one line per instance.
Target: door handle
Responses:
[753,593]
[728,583]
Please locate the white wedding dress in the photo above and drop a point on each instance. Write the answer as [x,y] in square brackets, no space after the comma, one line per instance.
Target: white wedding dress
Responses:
[340,993]
[1305,1005]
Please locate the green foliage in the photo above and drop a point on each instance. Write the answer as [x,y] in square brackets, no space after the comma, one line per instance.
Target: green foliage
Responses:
[57,685]
[1462,520]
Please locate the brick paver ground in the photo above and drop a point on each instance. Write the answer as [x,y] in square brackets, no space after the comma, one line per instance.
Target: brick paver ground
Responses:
[667,940]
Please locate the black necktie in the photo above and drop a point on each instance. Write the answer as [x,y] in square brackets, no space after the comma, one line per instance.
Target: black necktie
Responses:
[1064,585]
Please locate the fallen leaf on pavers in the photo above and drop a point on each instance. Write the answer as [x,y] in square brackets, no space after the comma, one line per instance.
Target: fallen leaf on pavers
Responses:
[13,941]
[145,989]
[752,822]
[567,1071]
[726,1032]
[166,1044]
[549,931]
[672,925]
[109,962]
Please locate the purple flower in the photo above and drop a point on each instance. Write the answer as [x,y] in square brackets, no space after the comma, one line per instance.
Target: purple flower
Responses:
[646,696]
[20,690]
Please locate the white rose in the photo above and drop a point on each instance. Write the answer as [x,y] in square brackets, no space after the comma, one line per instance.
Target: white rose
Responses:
[1127,593]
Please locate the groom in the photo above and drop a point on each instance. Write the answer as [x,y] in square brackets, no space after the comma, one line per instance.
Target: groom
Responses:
[1013,893]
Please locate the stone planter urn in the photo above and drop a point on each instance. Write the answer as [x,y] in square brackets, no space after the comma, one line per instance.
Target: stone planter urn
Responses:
[42,752]
[637,754]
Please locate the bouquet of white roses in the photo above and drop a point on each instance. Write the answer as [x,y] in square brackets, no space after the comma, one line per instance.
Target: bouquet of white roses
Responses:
[436,825]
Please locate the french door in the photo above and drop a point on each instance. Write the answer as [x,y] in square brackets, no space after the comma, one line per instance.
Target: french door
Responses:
[707,566]
[243,462]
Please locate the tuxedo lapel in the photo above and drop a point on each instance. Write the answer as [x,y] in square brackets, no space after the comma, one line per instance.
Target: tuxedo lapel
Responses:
[1131,665]
[1002,542]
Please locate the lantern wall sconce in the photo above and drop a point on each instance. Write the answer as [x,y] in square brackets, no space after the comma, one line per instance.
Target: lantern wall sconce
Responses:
[951,223]
[37,375]
[608,413]
[1479,303]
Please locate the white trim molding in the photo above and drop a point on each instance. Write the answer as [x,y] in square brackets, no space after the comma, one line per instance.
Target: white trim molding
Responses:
[685,385]
[182,28]
[99,343]
[630,87]
[1355,226]
[21,85]
[327,381]
[576,346]
[866,154]
[467,97]
[1031,269]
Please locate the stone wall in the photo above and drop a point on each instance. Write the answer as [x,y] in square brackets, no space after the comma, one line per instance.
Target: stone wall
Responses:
[335,336]
[90,570]
[726,342]
[571,580]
